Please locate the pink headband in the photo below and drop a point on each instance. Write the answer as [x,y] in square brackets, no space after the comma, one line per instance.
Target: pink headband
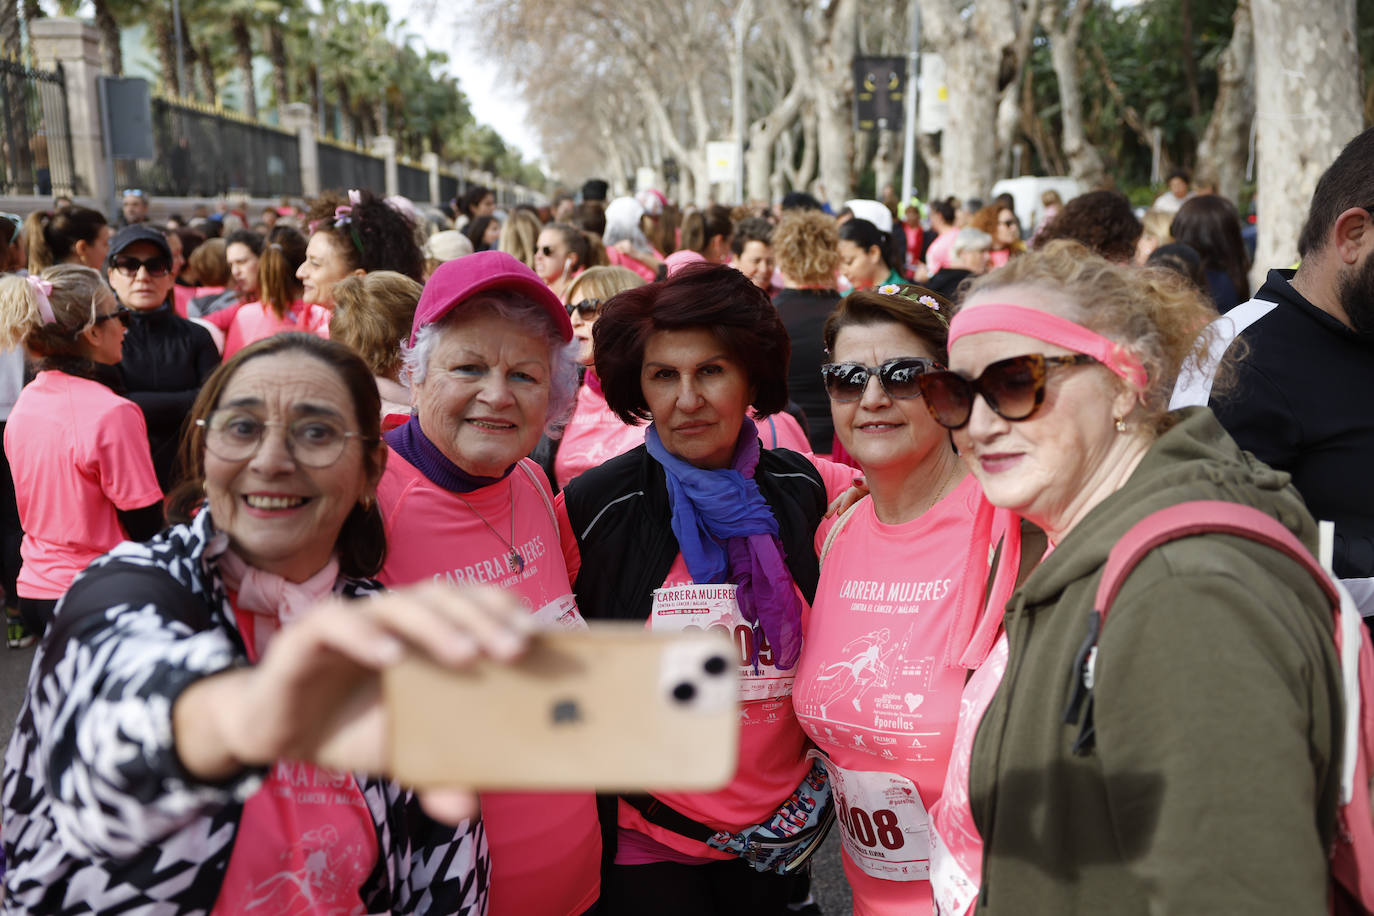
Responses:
[1061,332]
[41,289]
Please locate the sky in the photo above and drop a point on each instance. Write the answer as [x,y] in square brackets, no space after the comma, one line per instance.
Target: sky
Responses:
[442,26]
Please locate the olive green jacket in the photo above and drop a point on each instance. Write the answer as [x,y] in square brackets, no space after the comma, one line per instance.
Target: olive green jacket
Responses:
[1213,783]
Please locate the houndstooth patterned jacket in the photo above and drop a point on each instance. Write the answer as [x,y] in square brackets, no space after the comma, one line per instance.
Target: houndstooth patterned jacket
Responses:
[98,814]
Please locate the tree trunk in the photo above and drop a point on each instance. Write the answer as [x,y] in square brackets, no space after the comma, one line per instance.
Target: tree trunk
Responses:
[1225,145]
[243,51]
[1009,108]
[166,42]
[763,137]
[276,46]
[865,145]
[1306,110]
[739,87]
[1084,162]
[1185,41]
[207,75]
[347,125]
[885,162]
[111,57]
[10,34]
[834,93]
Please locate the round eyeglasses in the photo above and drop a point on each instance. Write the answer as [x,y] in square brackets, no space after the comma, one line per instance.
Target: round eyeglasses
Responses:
[313,442]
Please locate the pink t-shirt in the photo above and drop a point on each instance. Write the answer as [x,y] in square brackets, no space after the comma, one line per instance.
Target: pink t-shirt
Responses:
[545,847]
[306,841]
[956,865]
[781,430]
[877,693]
[255,321]
[594,434]
[941,251]
[78,453]
[772,751]
[618,259]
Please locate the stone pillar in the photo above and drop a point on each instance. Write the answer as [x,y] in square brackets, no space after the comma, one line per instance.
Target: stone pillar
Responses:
[431,163]
[75,45]
[385,147]
[298,116]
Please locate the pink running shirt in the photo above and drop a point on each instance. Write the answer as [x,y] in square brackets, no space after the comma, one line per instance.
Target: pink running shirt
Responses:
[545,847]
[78,452]
[255,321]
[772,752]
[941,251]
[877,692]
[594,435]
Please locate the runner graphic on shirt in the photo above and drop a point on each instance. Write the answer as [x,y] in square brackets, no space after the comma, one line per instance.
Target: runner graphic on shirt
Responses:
[882,680]
[322,883]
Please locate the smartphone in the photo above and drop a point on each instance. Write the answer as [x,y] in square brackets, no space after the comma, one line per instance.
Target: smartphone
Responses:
[615,708]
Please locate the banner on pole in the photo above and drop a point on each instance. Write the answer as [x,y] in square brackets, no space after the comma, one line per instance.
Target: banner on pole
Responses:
[879,92]
[934,94]
[721,157]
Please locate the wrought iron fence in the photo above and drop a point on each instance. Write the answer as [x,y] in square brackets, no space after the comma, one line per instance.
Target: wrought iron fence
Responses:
[36,136]
[200,151]
[412,182]
[341,167]
[448,188]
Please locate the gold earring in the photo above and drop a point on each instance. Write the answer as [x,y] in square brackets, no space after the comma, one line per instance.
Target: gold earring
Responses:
[1121,424]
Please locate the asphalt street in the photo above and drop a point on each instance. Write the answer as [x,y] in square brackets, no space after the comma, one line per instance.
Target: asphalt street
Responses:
[827,883]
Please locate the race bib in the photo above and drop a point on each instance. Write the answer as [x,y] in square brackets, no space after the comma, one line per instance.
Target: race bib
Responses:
[883,822]
[561,614]
[951,886]
[713,607]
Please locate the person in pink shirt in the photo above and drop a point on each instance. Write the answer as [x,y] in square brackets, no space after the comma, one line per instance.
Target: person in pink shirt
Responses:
[83,475]
[280,306]
[491,368]
[702,527]
[940,252]
[354,234]
[626,244]
[882,670]
[372,316]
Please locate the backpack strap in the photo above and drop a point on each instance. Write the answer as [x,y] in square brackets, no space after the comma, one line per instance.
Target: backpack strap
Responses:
[834,531]
[539,486]
[1179,521]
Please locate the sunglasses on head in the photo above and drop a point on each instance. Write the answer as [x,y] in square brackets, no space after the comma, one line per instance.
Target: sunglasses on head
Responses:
[846,382]
[587,308]
[158,266]
[132,192]
[1014,388]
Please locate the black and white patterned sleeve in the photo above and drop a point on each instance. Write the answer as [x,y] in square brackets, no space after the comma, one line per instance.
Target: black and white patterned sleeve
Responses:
[424,866]
[124,644]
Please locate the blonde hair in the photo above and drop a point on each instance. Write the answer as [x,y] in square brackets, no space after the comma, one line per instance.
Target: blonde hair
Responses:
[1153,312]
[602,283]
[519,234]
[1158,225]
[76,297]
[372,315]
[806,245]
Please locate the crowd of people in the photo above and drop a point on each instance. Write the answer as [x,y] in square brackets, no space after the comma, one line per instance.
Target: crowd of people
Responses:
[889,450]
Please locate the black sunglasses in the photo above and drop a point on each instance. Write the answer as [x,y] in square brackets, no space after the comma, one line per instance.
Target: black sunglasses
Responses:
[585,309]
[846,382]
[1014,388]
[122,315]
[157,266]
[546,251]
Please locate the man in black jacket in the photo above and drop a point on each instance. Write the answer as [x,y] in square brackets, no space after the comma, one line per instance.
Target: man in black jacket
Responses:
[166,357]
[1304,398]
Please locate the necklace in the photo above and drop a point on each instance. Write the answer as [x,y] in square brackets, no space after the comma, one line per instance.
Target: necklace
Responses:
[513,559]
[948,485]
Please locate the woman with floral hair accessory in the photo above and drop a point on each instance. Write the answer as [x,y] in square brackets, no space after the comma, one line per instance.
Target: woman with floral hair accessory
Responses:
[353,234]
[78,449]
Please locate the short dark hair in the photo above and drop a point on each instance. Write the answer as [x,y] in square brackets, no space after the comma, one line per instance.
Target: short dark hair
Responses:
[376,236]
[867,307]
[1099,220]
[866,235]
[1347,182]
[247,237]
[361,545]
[1178,173]
[751,229]
[799,200]
[711,296]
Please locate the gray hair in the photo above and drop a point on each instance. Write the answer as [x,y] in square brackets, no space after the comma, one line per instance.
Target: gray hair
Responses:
[971,239]
[524,313]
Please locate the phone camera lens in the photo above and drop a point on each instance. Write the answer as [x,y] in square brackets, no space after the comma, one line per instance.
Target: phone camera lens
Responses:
[714,665]
[684,692]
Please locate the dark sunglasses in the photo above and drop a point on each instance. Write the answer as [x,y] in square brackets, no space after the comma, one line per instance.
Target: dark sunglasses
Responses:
[585,309]
[546,251]
[156,267]
[122,315]
[846,382]
[1014,388]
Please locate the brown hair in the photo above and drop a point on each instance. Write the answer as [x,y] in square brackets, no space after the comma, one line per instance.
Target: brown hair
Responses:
[577,241]
[281,257]
[806,245]
[1100,220]
[361,544]
[210,264]
[868,307]
[77,293]
[372,315]
[710,296]
[700,226]
[1153,312]
[51,235]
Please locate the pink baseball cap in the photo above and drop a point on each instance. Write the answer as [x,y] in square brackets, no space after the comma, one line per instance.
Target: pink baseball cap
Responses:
[454,282]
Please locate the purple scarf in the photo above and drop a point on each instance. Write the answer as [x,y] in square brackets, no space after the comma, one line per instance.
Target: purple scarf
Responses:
[410,442]
[727,531]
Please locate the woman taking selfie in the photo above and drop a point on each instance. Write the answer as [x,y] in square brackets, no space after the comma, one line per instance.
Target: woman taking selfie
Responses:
[196,691]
